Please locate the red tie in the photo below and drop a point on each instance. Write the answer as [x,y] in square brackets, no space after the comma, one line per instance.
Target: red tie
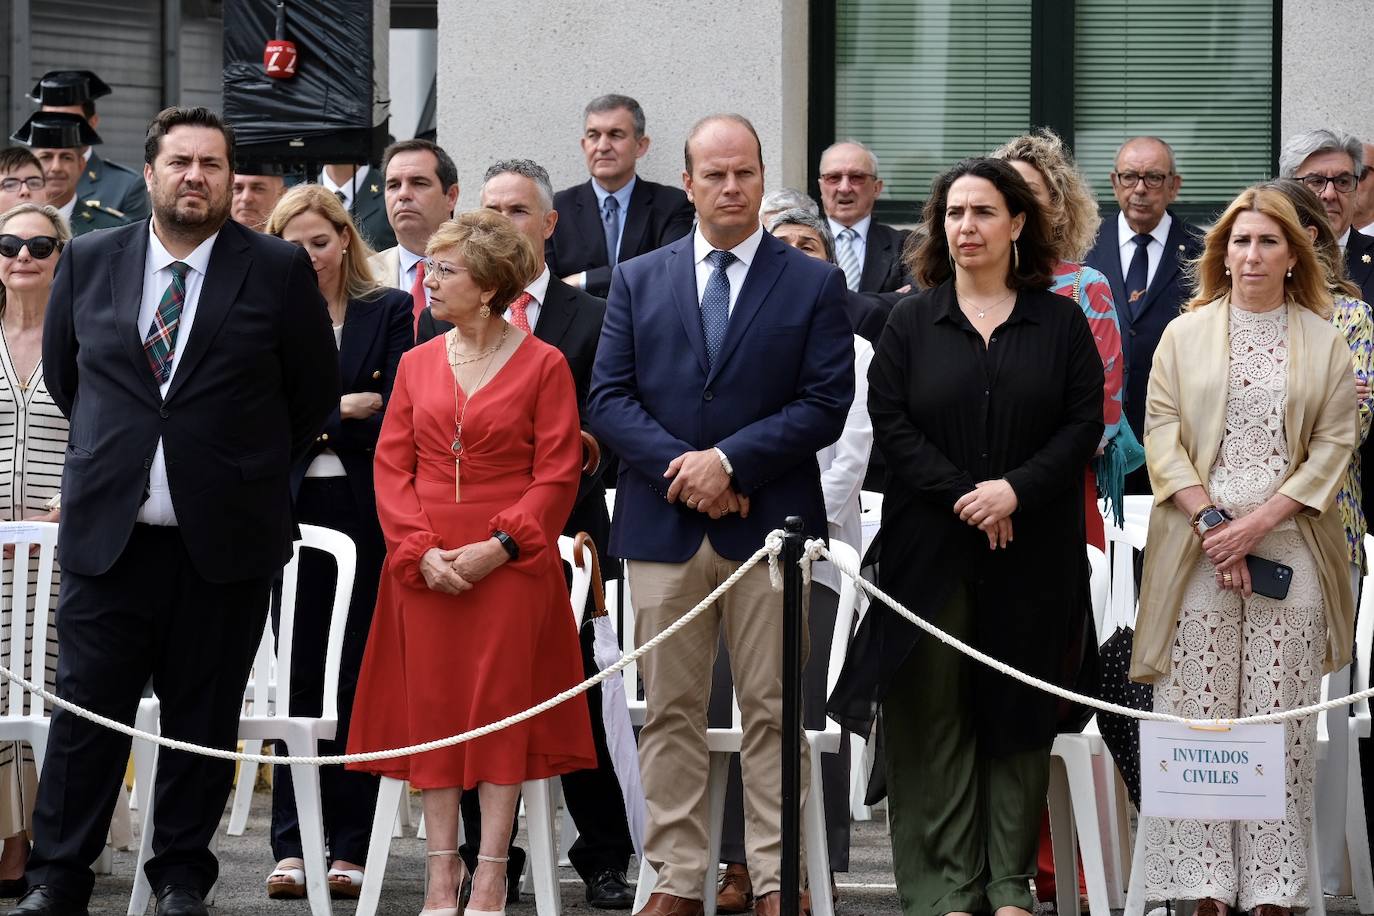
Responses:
[417,292]
[519,316]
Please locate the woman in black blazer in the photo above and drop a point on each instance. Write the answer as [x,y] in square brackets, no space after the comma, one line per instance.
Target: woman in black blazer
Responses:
[332,485]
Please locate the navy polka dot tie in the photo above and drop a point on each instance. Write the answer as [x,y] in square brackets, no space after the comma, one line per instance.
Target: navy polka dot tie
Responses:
[715,304]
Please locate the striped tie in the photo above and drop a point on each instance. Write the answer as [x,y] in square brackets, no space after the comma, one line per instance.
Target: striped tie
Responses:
[849,259]
[161,342]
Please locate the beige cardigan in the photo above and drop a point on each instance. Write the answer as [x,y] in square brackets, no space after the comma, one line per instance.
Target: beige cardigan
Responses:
[1185,419]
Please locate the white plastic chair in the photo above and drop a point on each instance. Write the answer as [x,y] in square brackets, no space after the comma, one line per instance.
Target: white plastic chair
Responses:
[300,734]
[538,799]
[24,717]
[870,517]
[723,742]
[1356,830]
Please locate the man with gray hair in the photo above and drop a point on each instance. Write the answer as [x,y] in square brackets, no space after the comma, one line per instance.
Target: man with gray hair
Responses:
[616,215]
[869,252]
[776,201]
[569,319]
[1329,162]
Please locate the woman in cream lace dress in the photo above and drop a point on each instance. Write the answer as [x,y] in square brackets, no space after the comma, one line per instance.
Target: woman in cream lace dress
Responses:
[1250,424]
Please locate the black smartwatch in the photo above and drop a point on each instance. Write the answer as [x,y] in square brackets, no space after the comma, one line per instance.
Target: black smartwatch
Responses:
[507,542]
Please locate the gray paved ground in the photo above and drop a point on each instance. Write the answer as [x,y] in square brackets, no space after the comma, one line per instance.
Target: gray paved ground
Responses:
[245,861]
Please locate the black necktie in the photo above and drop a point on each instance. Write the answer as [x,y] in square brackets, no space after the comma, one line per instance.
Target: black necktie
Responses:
[1138,277]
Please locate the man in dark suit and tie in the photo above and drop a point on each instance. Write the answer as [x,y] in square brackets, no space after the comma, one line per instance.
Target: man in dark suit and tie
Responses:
[869,252]
[359,189]
[1142,253]
[570,320]
[725,363]
[616,215]
[195,361]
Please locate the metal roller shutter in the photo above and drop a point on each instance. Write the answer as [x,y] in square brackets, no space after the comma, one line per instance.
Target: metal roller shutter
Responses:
[121,40]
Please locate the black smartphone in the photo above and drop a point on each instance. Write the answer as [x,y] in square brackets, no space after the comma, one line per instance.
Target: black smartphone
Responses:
[1268,578]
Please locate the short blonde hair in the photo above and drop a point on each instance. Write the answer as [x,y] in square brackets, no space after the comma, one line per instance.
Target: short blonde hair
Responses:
[1072,213]
[1308,285]
[497,256]
[356,279]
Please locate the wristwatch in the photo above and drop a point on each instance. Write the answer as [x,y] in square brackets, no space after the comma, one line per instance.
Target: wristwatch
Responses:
[508,543]
[1209,517]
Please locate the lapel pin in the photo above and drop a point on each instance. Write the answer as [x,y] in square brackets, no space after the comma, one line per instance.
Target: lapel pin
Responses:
[376,373]
[373,188]
[1181,248]
[1365,258]
[92,174]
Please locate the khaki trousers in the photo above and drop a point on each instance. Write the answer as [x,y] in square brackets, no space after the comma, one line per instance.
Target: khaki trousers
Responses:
[673,759]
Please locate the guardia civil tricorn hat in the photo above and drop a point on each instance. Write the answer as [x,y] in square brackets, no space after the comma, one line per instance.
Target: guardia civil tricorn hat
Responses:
[56,130]
[68,87]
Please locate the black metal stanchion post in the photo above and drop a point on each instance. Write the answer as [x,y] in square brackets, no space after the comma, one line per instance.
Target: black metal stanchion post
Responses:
[792,543]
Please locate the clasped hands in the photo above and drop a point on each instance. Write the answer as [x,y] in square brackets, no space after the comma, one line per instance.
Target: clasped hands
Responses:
[700,481]
[1226,547]
[458,570]
[988,507]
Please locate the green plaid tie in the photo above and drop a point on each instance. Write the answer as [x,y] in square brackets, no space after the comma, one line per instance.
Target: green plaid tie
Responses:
[161,342]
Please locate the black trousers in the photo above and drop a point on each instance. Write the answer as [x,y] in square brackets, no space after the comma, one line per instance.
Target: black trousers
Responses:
[593,798]
[349,798]
[150,616]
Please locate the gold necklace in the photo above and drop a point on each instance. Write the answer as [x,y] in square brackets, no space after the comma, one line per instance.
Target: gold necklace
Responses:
[453,351]
[459,414]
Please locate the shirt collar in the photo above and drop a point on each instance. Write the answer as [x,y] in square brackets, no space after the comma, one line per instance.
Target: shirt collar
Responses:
[1125,235]
[861,227]
[622,196]
[539,286]
[160,258]
[1344,239]
[408,257]
[744,251]
[348,185]
[68,209]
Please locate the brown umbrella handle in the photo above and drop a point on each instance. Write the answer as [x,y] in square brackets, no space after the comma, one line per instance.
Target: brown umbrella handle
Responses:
[583,539]
[591,453]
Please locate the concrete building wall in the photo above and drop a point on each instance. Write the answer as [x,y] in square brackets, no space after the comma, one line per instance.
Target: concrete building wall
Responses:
[513,82]
[1328,55]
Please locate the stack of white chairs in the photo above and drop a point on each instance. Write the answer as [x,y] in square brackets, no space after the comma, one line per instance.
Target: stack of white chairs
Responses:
[273,720]
[27,603]
[539,800]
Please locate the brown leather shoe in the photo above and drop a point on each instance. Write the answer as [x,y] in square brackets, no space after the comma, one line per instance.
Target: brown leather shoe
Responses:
[736,894]
[770,904]
[667,905]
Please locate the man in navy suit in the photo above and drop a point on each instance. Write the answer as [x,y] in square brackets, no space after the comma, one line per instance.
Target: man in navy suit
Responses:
[616,215]
[195,361]
[726,361]
[1142,253]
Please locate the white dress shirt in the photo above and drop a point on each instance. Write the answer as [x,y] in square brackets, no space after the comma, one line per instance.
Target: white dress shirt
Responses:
[538,289]
[157,276]
[744,256]
[1345,237]
[346,189]
[68,209]
[408,262]
[860,244]
[1125,236]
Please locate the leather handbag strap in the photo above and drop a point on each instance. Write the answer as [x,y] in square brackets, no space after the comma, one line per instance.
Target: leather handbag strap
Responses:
[581,541]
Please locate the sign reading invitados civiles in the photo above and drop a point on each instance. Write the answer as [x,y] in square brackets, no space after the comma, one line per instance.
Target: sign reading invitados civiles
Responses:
[1230,774]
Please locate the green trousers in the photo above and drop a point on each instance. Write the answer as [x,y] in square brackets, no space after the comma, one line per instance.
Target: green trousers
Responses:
[965,825]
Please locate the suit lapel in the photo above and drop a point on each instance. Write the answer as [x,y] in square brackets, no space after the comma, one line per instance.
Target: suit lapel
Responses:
[1111,268]
[1359,257]
[126,292]
[1169,265]
[555,314]
[682,280]
[763,273]
[588,218]
[230,260]
[637,220]
[359,329]
[877,257]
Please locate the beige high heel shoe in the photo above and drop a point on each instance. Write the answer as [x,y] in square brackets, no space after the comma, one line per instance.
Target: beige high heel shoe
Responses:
[446,910]
[498,860]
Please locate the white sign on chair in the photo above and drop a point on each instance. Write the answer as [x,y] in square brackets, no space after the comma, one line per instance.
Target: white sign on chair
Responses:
[1227,773]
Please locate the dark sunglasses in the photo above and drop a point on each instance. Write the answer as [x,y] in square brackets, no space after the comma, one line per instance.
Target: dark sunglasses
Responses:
[40,246]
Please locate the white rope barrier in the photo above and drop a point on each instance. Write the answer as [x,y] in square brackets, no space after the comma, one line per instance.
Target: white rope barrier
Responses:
[814,550]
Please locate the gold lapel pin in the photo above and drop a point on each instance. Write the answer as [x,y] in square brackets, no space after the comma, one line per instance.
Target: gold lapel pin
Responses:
[377,373]
[1181,248]
[1365,258]
[373,188]
[92,174]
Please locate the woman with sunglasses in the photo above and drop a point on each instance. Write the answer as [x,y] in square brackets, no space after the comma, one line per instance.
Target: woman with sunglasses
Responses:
[33,441]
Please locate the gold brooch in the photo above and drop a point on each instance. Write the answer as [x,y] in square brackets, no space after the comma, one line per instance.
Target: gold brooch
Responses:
[1365,258]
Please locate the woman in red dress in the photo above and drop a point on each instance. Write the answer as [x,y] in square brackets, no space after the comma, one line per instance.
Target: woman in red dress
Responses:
[476,470]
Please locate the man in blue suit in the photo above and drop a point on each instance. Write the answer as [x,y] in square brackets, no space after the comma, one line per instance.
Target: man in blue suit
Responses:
[1142,253]
[725,363]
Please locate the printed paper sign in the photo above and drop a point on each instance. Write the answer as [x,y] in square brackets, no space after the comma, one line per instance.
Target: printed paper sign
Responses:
[1231,775]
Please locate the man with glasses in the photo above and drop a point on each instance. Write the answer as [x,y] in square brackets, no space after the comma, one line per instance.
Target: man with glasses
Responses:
[616,215]
[1142,253]
[21,178]
[57,140]
[1329,162]
[869,252]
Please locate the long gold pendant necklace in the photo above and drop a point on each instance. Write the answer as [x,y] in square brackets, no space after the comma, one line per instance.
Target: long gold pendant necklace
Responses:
[460,413]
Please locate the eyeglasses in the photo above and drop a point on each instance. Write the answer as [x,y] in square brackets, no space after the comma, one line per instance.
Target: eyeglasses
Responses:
[1345,182]
[33,183]
[40,246]
[857,179]
[438,269]
[1153,180]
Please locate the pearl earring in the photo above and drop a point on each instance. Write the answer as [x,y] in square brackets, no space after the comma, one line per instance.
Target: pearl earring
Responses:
[1290,273]
[1228,271]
